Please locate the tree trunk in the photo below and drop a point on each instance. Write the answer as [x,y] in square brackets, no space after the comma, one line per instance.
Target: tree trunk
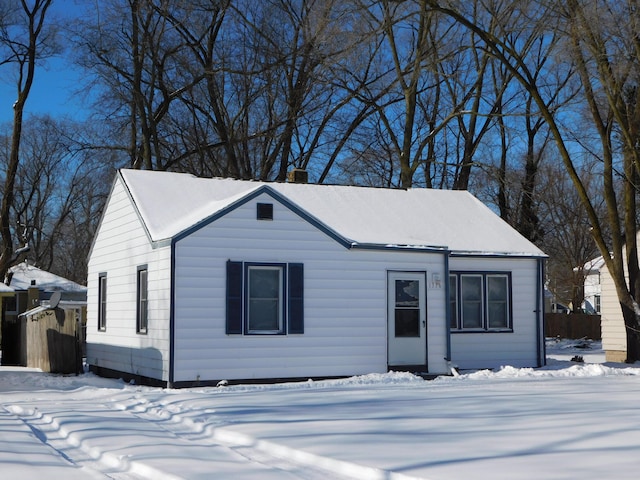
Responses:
[26,61]
[631,322]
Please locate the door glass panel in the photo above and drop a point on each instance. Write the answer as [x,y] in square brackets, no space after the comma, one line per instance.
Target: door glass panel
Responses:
[407,308]
[407,323]
[407,294]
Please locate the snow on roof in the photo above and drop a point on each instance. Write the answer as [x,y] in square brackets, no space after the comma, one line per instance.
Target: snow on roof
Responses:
[169,203]
[594,265]
[23,274]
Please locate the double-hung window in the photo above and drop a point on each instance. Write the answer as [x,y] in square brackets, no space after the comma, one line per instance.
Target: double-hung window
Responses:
[265,293]
[480,301]
[142,300]
[264,298]
[102,301]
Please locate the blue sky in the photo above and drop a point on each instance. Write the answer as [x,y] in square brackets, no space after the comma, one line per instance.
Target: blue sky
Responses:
[55,81]
[52,92]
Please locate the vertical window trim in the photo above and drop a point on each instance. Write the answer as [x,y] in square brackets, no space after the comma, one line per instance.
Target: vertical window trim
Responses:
[102,302]
[459,328]
[454,303]
[142,300]
[295,298]
[234,298]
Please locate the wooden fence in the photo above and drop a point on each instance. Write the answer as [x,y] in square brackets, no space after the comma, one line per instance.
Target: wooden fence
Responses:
[50,340]
[573,325]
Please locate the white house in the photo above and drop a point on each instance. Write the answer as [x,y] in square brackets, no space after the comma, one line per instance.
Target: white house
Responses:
[592,286]
[195,280]
[614,335]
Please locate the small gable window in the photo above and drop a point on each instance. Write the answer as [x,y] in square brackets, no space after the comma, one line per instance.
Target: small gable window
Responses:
[265,211]
[264,298]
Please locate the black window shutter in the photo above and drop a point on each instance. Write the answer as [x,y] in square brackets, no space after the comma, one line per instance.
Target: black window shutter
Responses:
[296,298]
[234,298]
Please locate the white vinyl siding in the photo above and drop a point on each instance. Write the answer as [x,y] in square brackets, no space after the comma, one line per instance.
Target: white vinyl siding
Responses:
[519,346]
[119,248]
[345,320]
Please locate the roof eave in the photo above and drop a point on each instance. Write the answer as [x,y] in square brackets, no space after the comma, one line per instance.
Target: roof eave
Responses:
[388,246]
[471,253]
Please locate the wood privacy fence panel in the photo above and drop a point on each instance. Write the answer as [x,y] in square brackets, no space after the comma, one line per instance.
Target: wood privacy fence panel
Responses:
[50,341]
[573,325]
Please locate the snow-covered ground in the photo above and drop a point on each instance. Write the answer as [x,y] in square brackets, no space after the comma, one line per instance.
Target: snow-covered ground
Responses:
[568,420]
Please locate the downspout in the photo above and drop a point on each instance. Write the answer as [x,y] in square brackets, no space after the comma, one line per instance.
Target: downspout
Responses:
[541,345]
[447,308]
[172,303]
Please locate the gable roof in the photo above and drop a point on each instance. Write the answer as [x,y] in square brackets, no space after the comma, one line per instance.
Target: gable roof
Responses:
[24,274]
[170,204]
[594,265]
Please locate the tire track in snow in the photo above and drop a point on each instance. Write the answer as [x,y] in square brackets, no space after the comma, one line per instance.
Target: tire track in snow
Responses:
[301,464]
[67,445]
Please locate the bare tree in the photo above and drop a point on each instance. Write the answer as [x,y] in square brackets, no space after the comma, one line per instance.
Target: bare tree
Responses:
[438,106]
[411,119]
[134,56]
[289,80]
[55,180]
[24,39]
[567,240]
[602,38]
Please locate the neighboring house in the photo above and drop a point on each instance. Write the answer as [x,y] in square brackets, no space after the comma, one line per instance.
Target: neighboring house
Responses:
[195,280]
[27,288]
[592,287]
[614,338]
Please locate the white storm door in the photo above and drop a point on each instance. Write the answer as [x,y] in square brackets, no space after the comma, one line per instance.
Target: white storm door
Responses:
[407,318]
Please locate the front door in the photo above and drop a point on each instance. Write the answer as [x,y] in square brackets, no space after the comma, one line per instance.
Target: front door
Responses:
[407,319]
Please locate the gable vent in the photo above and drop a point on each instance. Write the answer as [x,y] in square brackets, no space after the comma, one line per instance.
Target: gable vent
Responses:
[265,211]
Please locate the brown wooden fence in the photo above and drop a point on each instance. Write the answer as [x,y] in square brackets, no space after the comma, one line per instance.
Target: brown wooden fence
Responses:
[50,340]
[573,325]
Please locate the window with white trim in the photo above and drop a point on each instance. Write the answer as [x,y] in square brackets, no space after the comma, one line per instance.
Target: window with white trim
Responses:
[142,300]
[265,292]
[480,301]
[102,301]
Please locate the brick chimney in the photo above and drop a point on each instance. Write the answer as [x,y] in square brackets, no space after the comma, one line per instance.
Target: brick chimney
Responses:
[298,175]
